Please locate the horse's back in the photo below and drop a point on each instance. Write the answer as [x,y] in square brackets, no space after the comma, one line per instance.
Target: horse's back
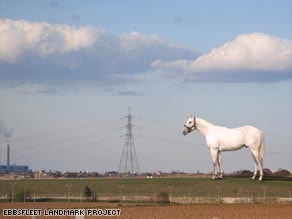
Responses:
[233,139]
[225,139]
[250,130]
[252,135]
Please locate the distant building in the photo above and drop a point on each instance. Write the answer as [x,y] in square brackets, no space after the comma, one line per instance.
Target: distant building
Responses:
[23,169]
[15,169]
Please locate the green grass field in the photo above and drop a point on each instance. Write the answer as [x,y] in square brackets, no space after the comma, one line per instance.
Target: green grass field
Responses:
[228,187]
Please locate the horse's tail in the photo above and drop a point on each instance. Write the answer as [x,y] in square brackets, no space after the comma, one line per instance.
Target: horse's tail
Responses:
[262,150]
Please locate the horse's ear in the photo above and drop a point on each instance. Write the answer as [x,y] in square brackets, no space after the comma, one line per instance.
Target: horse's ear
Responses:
[190,115]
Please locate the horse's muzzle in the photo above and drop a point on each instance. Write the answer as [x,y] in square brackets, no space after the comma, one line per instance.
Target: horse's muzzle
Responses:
[186,130]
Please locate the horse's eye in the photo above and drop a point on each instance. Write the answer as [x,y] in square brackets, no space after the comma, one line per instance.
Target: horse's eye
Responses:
[190,122]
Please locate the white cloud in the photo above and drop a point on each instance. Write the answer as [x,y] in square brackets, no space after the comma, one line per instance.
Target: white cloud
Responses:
[251,52]
[178,65]
[59,53]
[255,51]
[63,53]
[36,89]
[134,40]
[21,37]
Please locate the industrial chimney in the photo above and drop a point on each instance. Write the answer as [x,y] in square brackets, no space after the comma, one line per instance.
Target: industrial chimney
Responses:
[8,157]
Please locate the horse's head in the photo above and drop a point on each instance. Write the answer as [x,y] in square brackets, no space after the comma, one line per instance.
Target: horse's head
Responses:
[190,125]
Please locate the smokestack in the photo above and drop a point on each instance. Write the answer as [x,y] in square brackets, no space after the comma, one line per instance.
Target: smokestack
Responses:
[8,157]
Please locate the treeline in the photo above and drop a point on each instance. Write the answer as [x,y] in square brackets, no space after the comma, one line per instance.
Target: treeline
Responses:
[268,174]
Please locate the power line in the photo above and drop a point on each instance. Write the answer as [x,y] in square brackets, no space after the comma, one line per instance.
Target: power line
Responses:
[61,131]
[74,146]
[279,153]
[168,140]
[61,141]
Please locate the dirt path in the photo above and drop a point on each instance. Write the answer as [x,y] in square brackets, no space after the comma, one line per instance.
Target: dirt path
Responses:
[236,211]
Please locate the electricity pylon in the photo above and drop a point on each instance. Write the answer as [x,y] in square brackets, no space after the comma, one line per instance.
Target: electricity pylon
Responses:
[129,161]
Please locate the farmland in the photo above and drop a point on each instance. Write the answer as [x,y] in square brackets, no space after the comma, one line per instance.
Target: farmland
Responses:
[174,187]
[57,192]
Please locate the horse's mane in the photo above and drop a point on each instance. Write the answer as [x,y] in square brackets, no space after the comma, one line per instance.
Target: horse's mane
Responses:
[204,121]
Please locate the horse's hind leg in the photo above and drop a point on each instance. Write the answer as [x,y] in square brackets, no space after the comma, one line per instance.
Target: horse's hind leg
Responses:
[220,165]
[257,164]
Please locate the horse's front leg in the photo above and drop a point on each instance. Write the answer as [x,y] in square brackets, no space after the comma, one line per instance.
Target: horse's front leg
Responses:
[214,155]
[220,165]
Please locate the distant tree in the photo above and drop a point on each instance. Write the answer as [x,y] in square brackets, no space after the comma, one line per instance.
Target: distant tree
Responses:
[282,173]
[87,193]
[246,173]
[267,172]
[22,195]
[163,197]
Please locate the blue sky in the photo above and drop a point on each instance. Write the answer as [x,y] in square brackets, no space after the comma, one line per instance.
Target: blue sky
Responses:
[70,70]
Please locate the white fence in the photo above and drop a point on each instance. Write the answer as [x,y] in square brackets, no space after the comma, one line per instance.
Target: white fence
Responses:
[169,199]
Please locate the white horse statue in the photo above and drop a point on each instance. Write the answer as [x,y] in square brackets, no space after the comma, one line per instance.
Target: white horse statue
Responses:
[220,139]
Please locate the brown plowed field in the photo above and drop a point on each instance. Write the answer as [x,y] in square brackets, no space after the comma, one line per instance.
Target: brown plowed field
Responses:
[236,211]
